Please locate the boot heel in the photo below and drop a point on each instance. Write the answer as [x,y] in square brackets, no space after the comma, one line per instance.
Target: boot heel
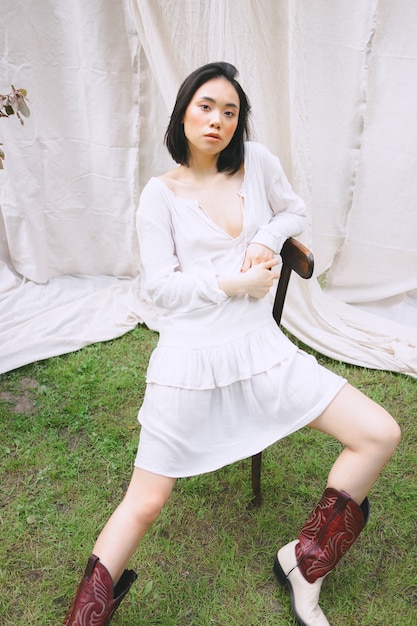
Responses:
[279,573]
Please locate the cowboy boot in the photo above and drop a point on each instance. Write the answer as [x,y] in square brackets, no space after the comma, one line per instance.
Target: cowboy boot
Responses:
[97,599]
[327,535]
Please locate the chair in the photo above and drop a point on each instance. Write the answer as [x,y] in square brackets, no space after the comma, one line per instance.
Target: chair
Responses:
[295,257]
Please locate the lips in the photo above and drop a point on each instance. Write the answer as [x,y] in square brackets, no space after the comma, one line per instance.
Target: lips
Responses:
[213,136]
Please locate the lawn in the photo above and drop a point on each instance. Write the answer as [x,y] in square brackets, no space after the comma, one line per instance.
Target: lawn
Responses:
[68,439]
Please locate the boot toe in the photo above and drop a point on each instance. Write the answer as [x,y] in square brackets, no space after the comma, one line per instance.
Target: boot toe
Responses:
[304,595]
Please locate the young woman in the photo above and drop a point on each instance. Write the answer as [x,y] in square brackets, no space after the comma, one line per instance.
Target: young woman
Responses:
[224,382]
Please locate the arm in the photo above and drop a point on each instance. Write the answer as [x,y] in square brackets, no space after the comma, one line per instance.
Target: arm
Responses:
[172,289]
[162,279]
[288,212]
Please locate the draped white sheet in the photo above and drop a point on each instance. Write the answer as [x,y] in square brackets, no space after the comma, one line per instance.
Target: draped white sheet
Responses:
[333,93]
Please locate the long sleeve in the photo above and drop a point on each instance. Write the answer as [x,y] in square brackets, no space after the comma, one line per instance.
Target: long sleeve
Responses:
[288,209]
[163,280]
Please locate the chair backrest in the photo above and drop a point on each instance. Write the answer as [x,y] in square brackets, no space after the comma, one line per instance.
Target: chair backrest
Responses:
[295,257]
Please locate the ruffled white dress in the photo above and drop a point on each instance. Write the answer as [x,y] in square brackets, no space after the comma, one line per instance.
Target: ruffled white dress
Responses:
[223,382]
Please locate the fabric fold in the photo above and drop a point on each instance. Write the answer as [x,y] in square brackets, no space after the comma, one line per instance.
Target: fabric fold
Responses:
[207,367]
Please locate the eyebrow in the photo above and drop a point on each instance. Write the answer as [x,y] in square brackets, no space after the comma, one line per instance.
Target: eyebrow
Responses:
[229,104]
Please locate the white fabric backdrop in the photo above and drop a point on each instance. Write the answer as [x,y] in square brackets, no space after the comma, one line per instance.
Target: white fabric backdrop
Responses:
[333,93]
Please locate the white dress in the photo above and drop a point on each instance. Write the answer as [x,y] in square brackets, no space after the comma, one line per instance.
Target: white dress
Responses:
[223,382]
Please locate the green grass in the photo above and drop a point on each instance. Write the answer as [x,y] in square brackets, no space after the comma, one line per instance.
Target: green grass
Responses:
[68,438]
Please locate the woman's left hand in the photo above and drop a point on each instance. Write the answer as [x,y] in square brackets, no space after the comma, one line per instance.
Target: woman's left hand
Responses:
[256,253]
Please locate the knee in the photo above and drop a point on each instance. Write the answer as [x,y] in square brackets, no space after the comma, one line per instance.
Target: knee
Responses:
[395,434]
[143,510]
[148,509]
[388,434]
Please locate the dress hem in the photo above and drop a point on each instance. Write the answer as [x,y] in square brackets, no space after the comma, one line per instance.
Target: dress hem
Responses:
[249,452]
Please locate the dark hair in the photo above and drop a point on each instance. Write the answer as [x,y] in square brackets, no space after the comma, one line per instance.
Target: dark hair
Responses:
[231,158]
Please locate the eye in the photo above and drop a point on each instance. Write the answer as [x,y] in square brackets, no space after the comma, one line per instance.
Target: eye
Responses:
[205,107]
[229,113]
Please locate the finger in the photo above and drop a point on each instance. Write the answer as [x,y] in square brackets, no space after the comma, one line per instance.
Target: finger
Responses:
[271,263]
[246,265]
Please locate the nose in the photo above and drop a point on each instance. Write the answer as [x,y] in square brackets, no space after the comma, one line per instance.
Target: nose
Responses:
[215,120]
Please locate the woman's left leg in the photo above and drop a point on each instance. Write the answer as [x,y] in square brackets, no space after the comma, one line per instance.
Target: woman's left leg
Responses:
[370,436]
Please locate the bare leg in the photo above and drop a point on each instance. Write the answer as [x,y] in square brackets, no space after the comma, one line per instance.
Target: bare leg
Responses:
[370,435]
[144,499]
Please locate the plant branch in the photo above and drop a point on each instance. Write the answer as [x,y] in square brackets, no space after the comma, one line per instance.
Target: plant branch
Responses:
[13,103]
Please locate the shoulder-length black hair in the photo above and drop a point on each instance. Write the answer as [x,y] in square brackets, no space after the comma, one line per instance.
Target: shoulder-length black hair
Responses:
[231,158]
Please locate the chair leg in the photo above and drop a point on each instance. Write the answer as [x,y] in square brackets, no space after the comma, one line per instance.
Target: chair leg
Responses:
[256,481]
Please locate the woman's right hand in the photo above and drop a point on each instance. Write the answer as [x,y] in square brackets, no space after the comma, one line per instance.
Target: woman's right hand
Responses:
[255,282]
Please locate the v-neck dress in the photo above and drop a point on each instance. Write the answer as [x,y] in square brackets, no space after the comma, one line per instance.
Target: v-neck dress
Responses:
[224,382]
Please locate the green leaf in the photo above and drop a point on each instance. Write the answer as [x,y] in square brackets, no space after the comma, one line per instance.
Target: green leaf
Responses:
[148,588]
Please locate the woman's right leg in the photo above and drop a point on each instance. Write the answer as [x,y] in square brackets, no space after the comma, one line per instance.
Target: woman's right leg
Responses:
[106,581]
[145,497]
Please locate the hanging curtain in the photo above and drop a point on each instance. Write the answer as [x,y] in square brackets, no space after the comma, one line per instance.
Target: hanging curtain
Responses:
[68,251]
[332,91]
[332,88]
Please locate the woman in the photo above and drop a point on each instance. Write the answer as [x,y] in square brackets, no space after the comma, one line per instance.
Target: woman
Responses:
[224,382]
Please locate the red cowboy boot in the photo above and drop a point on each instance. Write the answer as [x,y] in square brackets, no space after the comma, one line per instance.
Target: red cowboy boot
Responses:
[327,535]
[97,599]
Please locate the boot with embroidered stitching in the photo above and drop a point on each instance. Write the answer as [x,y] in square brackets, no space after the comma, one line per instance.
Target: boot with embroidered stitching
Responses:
[97,598]
[329,532]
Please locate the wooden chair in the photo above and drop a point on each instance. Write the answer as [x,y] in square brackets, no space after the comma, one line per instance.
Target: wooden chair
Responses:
[295,257]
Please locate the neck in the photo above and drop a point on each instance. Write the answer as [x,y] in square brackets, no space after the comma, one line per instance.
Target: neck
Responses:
[203,165]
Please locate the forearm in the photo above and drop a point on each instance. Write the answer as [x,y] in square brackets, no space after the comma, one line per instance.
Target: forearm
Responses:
[255,282]
[232,285]
[279,229]
[179,292]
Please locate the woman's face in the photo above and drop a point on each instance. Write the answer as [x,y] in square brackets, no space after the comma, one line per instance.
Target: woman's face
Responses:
[211,117]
